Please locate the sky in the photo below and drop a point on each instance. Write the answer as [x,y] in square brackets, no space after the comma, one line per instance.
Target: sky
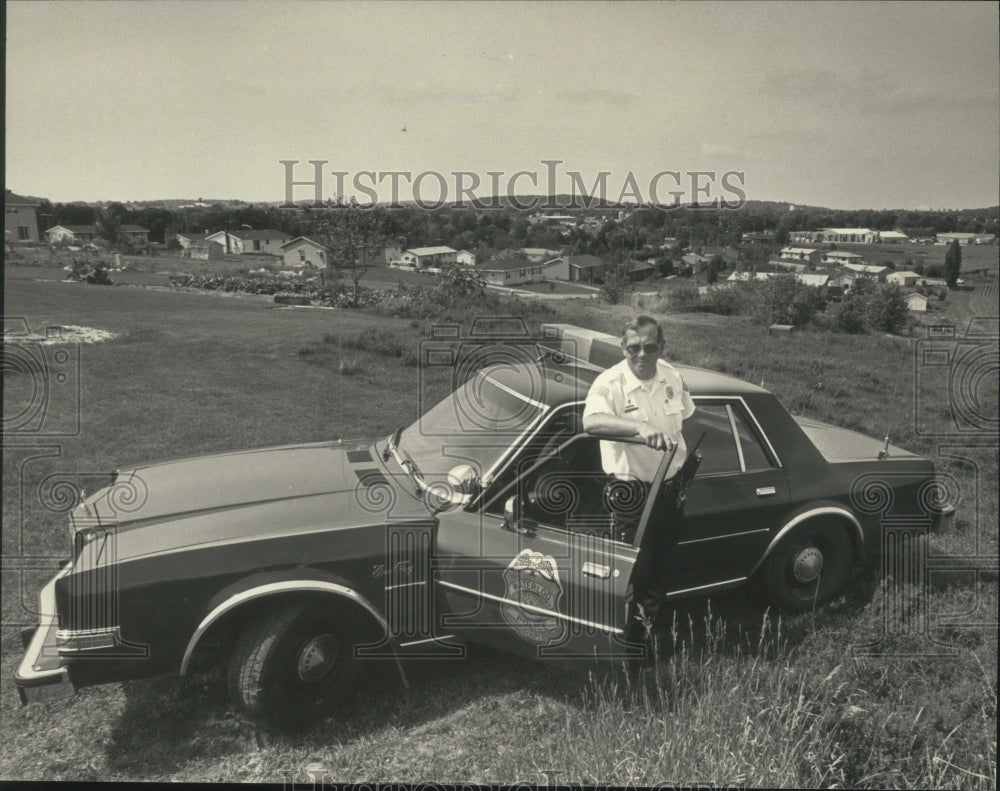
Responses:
[845,105]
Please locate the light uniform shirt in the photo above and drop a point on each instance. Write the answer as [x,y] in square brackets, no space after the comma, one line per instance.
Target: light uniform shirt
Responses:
[662,401]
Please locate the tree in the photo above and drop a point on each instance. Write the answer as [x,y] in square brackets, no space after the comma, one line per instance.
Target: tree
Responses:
[953,263]
[715,266]
[849,315]
[353,238]
[109,228]
[887,311]
[615,281]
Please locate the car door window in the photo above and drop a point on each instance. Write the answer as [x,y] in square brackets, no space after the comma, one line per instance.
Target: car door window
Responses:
[719,453]
[730,444]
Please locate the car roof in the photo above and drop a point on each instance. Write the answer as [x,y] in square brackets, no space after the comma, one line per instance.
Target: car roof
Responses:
[558,379]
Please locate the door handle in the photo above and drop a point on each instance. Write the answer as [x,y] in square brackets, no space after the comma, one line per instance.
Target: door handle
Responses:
[594,570]
[766,491]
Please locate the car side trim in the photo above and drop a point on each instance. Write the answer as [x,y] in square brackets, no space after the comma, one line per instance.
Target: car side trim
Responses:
[287,586]
[724,583]
[531,607]
[827,510]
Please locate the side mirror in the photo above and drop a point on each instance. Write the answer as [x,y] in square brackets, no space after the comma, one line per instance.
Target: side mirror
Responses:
[464,479]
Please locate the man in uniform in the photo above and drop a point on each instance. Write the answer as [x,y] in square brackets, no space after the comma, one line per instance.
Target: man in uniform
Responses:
[642,396]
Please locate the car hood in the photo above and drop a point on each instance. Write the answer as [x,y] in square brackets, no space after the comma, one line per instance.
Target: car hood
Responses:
[174,489]
[841,444]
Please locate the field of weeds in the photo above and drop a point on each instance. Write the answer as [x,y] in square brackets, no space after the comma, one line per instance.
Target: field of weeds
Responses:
[892,686]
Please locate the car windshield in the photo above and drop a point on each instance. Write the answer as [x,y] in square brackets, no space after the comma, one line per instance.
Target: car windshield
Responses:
[474,425]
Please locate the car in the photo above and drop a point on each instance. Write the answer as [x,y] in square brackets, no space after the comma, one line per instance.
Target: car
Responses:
[489,520]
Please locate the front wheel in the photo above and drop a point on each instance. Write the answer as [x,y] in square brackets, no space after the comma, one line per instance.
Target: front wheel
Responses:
[808,568]
[288,668]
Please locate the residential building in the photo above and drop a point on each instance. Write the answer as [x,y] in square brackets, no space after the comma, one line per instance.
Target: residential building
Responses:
[422,257]
[961,238]
[917,303]
[539,254]
[904,278]
[510,271]
[696,261]
[136,234]
[870,271]
[243,241]
[892,237]
[809,255]
[640,270]
[71,234]
[465,258]
[303,252]
[586,268]
[847,235]
[20,221]
[391,252]
[788,265]
[841,257]
[555,269]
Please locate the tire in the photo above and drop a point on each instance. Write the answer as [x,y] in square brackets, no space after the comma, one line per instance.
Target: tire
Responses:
[291,666]
[808,568]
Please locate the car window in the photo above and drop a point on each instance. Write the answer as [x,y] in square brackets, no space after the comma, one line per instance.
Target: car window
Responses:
[754,455]
[718,447]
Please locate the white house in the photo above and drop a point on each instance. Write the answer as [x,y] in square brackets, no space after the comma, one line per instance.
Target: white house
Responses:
[20,220]
[871,271]
[809,255]
[465,258]
[917,303]
[303,252]
[247,241]
[510,271]
[539,254]
[841,257]
[71,233]
[421,257]
[905,278]
[892,237]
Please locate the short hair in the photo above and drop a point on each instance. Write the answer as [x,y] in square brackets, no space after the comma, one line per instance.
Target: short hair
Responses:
[641,321]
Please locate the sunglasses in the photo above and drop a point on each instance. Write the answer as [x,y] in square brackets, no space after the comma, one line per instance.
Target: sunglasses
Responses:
[649,348]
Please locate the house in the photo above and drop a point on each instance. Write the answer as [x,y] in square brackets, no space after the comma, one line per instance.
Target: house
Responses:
[765,237]
[892,237]
[586,268]
[539,254]
[136,234]
[391,252]
[303,252]
[808,255]
[465,258]
[917,303]
[640,270]
[197,246]
[730,256]
[555,269]
[510,271]
[840,257]
[870,271]
[20,221]
[847,235]
[935,282]
[961,238]
[905,278]
[70,234]
[249,241]
[696,261]
[811,279]
[423,257]
[791,266]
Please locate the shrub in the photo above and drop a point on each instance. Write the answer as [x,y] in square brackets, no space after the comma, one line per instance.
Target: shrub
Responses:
[849,315]
[886,310]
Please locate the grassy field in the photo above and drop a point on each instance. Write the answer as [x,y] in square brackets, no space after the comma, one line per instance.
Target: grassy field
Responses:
[738,697]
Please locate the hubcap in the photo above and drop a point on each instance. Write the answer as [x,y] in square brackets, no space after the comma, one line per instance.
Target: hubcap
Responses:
[316,658]
[807,565]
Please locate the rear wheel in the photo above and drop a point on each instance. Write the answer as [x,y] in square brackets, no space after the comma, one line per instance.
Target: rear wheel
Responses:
[289,667]
[808,568]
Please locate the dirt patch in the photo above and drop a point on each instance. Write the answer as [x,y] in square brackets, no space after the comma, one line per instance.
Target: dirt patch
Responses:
[56,334]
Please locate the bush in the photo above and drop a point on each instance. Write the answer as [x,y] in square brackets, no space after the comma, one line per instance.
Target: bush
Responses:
[783,300]
[849,315]
[726,301]
[887,311]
